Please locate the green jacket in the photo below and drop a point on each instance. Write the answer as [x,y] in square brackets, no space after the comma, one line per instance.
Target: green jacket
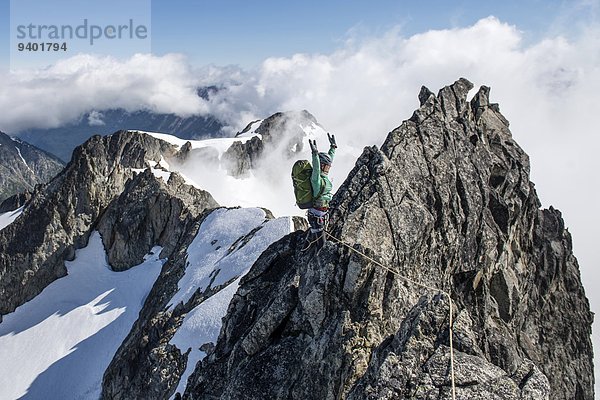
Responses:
[321,185]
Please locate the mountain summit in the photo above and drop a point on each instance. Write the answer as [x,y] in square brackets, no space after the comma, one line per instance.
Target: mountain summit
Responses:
[447,203]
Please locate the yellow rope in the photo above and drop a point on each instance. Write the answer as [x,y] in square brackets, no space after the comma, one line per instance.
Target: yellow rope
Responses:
[418,284]
[311,243]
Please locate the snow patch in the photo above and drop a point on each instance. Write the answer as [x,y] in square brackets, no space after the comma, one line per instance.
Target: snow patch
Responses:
[174,140]
[219,231]
[314,131]
[71,331]
[159,169]
[163,164]
[162,174]
[202,325]
[228,243]
[24,162]
[252,131]
[220,144]
[7,218]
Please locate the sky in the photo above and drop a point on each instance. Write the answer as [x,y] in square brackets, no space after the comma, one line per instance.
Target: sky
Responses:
[357,66]
[257,30]
[235,32]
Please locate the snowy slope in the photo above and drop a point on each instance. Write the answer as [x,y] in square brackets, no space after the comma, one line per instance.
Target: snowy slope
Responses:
[252,127]
[220,144]
[225,247]
[202,325]
[8,217]
[58,345]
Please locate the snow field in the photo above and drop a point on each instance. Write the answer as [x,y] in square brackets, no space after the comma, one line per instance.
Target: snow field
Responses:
[58,345]
[215,257]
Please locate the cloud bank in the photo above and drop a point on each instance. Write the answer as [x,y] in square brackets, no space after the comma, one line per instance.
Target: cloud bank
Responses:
[62,92]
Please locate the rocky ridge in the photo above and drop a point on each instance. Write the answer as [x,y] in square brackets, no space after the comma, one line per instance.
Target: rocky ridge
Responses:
[61,141]
[447,202]
[59,216]
[148,365]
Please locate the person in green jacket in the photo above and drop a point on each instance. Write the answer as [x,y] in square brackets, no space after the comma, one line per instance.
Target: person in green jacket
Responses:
[318,214]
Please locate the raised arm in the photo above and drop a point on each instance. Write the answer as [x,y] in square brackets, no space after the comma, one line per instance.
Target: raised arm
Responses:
[332,145]
[315,178]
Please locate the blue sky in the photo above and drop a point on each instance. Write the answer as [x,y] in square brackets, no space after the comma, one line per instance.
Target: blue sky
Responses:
[245,33]
[233,31]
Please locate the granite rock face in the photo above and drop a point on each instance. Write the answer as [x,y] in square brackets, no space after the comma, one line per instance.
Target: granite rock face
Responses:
[59,216]
[23,166]
[446,202]
[149,212]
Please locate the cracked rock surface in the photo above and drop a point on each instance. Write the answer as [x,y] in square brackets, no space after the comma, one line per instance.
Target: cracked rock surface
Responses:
[446,201]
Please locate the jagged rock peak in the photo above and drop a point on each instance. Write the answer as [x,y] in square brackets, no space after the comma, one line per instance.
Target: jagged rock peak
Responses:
[59,216]
[149,212]
[282,133]
[447,202]
[279,121]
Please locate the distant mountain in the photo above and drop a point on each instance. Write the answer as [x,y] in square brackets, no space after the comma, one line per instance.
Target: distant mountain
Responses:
[62,141]
[22,166]
[250,157]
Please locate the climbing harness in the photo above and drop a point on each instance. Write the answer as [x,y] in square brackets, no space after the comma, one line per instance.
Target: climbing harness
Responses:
[447,294]
[318,221]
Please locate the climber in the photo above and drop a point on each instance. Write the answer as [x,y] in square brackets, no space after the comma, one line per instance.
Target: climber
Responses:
[318,214]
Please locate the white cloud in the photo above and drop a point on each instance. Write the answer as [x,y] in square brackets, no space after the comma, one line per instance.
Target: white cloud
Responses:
[95,118]
[63,91]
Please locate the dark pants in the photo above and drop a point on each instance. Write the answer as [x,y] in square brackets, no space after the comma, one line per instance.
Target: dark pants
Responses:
[318,220]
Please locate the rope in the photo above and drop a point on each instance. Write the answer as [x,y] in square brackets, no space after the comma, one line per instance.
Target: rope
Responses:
[319,237]
[447,294]
[450,330]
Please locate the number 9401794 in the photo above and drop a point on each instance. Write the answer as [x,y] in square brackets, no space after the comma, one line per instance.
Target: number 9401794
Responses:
[43,46]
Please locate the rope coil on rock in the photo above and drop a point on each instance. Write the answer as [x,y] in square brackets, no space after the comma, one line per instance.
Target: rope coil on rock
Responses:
[447,294]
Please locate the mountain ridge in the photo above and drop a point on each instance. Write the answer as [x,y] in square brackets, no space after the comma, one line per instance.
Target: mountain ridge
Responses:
[57,219]
[61,141]
[446,202]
